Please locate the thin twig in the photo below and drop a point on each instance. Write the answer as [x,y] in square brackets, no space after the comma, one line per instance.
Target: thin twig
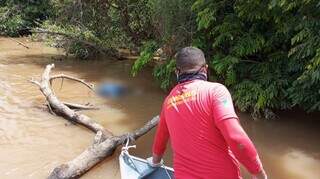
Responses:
[61,83]
[35,82]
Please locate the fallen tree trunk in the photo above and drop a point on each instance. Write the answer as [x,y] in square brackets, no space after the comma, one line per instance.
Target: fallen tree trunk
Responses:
[104,143]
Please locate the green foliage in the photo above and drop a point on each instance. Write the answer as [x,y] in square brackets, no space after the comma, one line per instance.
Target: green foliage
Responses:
[174,27]
[75,40]
[267,52]
[147,53]
[173,19]
[10,26]
[109,24]
[20,15]
[163,73]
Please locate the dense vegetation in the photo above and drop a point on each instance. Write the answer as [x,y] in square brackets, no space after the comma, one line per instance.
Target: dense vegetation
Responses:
[18,16]
[266,52]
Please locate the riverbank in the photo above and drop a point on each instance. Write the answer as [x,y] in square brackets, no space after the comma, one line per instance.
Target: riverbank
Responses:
[33,142]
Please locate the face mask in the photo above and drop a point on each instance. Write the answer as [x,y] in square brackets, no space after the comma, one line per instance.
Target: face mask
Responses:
[197,75]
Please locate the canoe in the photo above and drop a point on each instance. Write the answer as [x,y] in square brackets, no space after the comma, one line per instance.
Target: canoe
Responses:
[132,167]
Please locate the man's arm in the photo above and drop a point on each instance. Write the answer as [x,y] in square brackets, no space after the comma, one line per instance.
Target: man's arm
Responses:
[227,121]
[160,139]
[241,146]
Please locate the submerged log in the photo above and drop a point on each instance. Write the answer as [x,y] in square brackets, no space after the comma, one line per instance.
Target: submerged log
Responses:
[105,143]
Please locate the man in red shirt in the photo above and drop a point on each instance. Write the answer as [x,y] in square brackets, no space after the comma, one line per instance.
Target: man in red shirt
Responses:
[199,118]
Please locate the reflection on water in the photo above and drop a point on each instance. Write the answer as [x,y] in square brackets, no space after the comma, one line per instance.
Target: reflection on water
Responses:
[33,142]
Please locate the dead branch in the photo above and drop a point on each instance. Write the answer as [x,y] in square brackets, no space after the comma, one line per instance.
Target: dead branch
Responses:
[62,76]
[105,143]
[75,106]
[96,153]
[61,109]
[20,43]
[143,130]
[80,106]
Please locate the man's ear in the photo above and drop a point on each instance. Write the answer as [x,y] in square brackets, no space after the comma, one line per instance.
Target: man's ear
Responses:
[205,67]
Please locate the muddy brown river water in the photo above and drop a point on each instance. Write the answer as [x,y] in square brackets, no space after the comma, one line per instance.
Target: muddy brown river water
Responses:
[33,142]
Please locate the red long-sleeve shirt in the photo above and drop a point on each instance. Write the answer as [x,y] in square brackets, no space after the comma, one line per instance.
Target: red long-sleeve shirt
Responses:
[206,137]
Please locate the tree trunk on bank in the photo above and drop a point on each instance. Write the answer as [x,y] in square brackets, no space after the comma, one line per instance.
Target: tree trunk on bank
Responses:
[104,143]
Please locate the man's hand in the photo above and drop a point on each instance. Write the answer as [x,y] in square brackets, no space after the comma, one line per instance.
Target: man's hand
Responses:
[261,175]
[155,161]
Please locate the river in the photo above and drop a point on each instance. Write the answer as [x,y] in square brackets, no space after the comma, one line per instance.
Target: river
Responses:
[33,142]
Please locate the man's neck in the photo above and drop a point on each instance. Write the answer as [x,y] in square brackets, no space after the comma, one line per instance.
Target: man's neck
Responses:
[191,76]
